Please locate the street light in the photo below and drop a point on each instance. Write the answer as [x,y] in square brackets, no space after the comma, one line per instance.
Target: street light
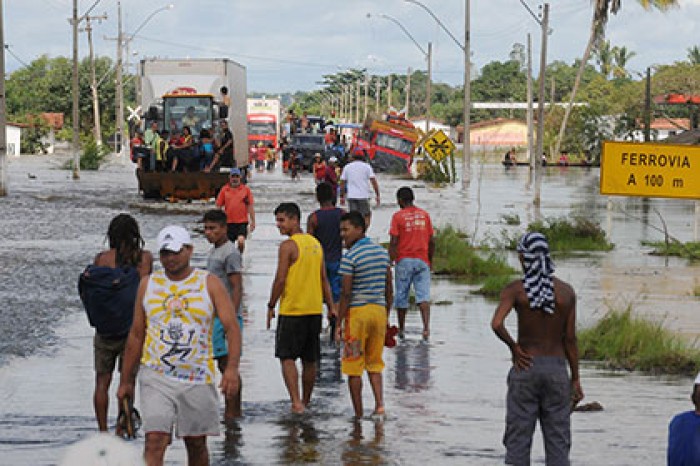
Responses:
[123,41]
[428,56]
[466,148]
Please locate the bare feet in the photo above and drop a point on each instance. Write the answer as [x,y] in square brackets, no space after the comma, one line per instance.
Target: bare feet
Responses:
[298,408]
[426,334]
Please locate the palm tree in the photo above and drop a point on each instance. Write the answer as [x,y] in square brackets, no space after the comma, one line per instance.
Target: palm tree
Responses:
[694,55]
[604,56]
[621,56]
[601,13]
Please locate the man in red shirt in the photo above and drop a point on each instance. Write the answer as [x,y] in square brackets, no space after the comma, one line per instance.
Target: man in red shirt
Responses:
[411,249]
[237,201]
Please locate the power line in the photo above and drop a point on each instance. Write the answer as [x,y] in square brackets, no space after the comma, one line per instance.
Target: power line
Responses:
[16,57]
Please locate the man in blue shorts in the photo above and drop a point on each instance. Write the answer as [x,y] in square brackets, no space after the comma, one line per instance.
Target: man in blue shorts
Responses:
[324,224]
[411,249]
[225,262]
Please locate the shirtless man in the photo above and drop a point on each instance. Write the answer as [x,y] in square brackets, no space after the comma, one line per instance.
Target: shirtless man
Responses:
[539,386]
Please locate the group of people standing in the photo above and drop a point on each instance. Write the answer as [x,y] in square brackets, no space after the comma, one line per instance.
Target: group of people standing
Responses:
[186,321]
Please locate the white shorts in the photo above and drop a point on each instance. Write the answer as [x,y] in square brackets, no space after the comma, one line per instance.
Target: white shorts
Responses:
[193,409]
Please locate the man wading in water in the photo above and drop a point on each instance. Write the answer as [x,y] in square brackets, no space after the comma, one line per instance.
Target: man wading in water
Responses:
[538,383]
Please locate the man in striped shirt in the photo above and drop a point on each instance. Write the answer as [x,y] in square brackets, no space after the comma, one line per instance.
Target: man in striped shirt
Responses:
[365,302]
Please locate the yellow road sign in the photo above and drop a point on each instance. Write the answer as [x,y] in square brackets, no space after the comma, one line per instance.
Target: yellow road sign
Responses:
[650,170]
[438,146]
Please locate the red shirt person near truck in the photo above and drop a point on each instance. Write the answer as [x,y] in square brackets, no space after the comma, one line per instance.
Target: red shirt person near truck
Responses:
[237,201]
[411,249]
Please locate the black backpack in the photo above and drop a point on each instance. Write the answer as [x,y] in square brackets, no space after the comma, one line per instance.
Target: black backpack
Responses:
[108,295]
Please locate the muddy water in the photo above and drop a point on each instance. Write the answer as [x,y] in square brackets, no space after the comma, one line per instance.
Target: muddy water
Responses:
[445,399]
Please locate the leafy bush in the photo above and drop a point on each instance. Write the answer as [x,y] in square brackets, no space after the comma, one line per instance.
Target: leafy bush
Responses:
[92,156]
[564,235]
[454,255]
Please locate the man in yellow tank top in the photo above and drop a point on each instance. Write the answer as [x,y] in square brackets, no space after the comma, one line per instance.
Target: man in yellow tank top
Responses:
[301,286]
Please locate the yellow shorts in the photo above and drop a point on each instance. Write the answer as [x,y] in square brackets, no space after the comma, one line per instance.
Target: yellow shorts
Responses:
[363,339]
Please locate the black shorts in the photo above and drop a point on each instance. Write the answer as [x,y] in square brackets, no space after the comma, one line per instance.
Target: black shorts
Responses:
[234,230]
[298,337]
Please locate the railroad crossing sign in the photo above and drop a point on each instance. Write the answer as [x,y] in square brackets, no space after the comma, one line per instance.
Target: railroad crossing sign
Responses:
[438,146]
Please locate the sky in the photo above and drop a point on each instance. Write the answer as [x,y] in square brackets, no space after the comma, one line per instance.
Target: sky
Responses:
[288,45]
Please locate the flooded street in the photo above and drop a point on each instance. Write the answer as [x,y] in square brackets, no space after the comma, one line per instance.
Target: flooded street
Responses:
[445,400]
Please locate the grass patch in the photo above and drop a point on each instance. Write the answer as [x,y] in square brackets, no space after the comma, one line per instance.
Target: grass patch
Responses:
[511,219]
[690,250]
[622,341]
[493,285]
[455,256]
[564,235]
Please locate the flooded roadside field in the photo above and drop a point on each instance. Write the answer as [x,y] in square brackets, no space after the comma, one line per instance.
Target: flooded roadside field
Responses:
[445,399]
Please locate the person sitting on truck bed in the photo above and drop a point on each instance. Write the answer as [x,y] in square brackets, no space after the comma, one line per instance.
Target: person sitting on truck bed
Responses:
[223,157]
[184,156]
[206,149]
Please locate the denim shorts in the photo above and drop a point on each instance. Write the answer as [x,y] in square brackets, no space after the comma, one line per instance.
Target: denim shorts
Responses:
[411,271]
[334,278]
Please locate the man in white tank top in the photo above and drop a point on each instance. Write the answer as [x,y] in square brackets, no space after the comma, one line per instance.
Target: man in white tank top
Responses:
[172,338]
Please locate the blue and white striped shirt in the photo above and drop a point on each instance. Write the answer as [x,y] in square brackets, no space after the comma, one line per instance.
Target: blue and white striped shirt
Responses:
[367,263]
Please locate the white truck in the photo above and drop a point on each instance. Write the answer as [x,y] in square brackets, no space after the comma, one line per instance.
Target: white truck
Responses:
[197,93]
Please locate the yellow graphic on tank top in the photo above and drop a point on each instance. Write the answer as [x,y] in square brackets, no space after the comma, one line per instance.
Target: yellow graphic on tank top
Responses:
[179,322]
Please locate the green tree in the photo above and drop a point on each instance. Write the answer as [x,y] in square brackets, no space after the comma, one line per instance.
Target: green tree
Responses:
[694,55]
[604,57]
[45,86]
[601,13]
[621,56]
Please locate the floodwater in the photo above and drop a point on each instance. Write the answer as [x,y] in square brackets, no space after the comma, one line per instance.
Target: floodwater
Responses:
[445,399]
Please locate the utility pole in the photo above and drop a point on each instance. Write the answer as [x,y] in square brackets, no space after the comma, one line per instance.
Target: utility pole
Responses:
[357,101]
[3,116]
[76,123]
[540,108]
[377,95]
[428,87]
[388,91]
[530,139]
[364,117]
[93,78]
[123,141]
[408,91]
[647,107]
[466,137]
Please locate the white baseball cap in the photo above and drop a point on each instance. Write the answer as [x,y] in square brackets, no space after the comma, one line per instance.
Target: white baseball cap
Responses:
[173,238]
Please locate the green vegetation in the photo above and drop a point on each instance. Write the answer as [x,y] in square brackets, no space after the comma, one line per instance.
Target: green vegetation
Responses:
[91,156]
[690,250]
[511,219]
[565,235]
[622,341]
[493,285]
[455,256]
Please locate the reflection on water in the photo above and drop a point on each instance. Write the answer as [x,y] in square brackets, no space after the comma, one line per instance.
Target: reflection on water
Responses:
[412,366]
[365,448]
[299,440]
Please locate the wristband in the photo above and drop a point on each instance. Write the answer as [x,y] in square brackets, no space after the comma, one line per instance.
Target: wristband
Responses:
[270,306]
